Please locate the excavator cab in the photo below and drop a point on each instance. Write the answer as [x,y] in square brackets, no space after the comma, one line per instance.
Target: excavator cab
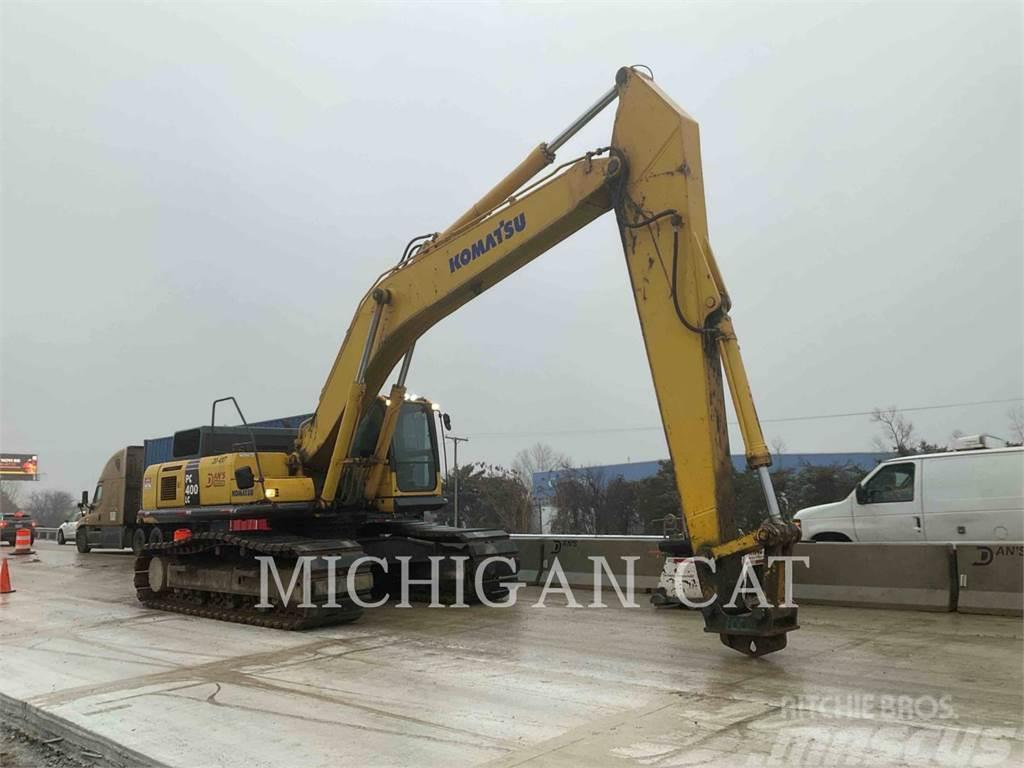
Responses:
[209,460]
[413,482]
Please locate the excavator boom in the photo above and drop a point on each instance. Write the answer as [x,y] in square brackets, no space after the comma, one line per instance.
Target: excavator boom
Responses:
[651,176]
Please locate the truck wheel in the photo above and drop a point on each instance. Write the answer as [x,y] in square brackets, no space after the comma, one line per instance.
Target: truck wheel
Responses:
[156,536]
[82,541]
[60,538]
[138,541]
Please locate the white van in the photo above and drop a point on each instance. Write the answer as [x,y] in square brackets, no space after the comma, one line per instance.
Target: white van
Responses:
[961,497]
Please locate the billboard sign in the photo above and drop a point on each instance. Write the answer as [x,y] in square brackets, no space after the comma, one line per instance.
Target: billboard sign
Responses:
[19,466]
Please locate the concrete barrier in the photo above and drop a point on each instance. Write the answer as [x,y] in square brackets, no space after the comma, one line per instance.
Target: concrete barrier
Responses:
[991,579]
[902,576]
[574,553]
[531,557]
[986,579]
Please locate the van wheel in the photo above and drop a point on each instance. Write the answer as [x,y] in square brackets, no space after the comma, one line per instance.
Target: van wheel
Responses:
[82,541]
[830,537]
[60,538]
[138,541]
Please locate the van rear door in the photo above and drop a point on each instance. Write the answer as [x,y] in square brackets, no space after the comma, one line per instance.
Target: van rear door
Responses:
[888,505]
[975,496]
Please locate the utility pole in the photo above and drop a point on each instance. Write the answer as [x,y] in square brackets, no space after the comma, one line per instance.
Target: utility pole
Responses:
[455,446]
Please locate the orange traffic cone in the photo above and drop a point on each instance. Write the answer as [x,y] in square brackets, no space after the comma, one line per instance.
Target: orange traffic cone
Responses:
[5,579]
[23,542]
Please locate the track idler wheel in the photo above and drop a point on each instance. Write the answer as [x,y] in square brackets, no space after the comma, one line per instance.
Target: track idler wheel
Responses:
[157,571]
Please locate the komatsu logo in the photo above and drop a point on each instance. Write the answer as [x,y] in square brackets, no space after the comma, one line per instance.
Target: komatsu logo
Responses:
[506,231]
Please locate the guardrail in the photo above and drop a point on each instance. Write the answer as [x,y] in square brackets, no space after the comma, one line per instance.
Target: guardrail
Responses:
[987,579]
[49,534]
[908,576]
[573,552]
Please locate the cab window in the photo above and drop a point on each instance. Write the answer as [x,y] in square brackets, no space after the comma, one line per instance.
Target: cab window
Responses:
[893,483]
[98,494]
[412,449]
[365,441]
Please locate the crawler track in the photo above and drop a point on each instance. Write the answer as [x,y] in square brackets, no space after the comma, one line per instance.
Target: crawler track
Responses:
[239,608]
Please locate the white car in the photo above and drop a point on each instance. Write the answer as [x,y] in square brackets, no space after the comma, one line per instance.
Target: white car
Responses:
[963,497]
[68,530]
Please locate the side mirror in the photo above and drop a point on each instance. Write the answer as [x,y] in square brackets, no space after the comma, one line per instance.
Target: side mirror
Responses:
[244,478]
[447,421]
[862,494]
[85,498]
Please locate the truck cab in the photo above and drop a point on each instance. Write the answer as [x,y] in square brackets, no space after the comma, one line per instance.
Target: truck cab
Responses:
[108,517]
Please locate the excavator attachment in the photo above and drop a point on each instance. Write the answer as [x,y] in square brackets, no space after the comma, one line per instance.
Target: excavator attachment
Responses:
[751,626]
[683,308]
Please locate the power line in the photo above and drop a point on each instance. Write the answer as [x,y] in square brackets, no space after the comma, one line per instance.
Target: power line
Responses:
[612,430]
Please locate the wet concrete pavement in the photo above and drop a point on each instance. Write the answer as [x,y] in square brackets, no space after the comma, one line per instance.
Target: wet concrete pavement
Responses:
[517,687]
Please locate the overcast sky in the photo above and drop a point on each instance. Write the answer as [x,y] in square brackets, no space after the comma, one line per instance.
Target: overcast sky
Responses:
[195,196]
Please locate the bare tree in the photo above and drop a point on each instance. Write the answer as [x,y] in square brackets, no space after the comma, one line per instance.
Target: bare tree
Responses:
[51,508]
[10,497]
[778,446]
[579,499]
[540,457]
[491,497]
[897,431]
[1016,417]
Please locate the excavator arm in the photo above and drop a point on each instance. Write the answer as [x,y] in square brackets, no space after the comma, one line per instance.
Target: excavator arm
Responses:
[651,176]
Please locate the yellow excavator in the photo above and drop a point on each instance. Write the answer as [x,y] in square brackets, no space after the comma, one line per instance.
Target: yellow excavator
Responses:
[357,477]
